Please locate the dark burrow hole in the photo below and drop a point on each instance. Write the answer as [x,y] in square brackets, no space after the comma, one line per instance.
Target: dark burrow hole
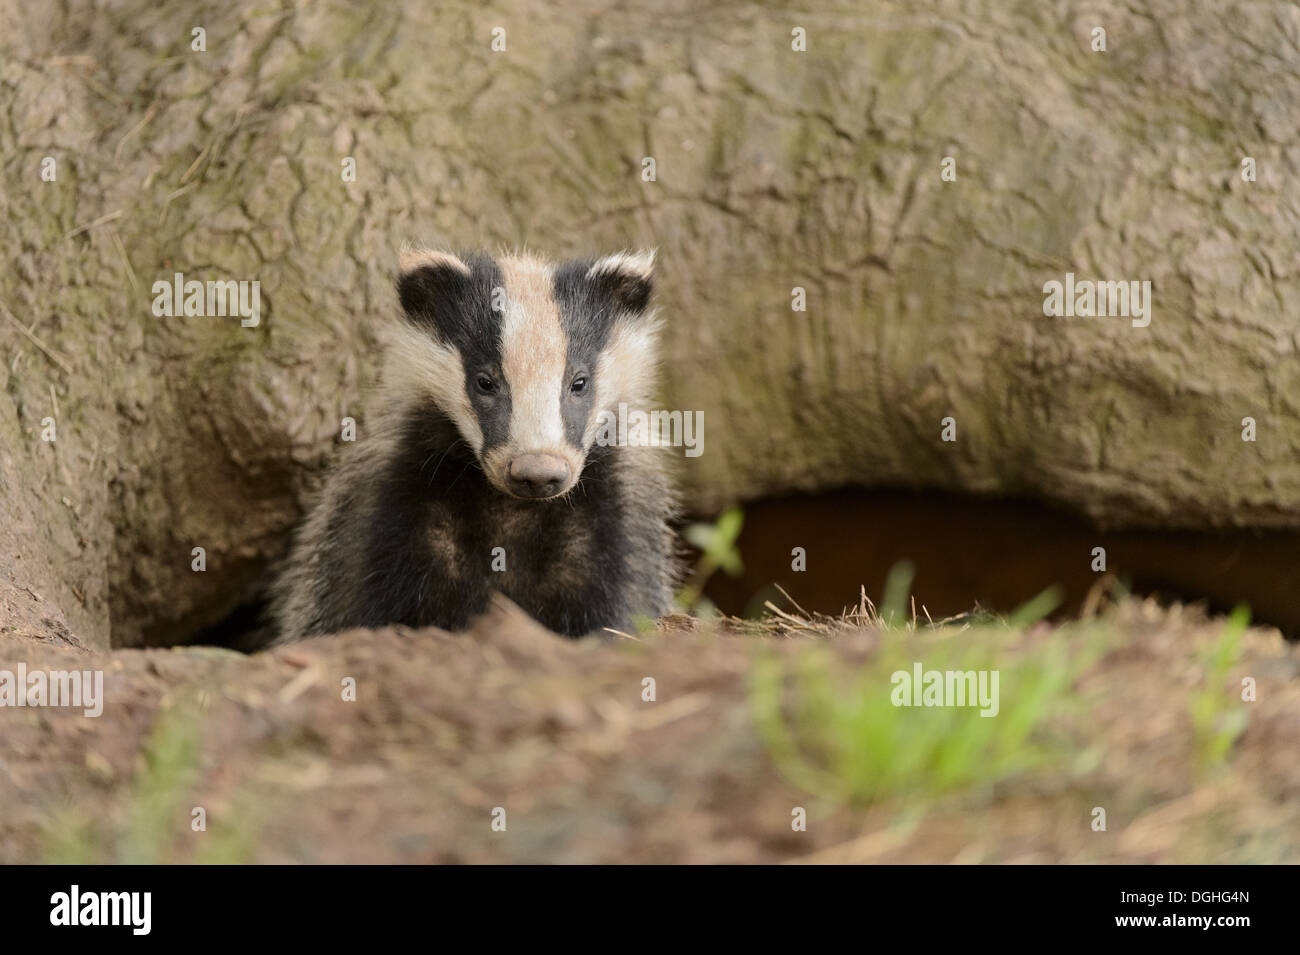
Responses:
[997,554]
[967,551]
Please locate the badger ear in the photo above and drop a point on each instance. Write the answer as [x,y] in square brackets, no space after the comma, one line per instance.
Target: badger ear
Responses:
[625,277]
[429,281]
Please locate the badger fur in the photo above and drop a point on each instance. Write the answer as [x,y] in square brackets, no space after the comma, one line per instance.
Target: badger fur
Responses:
[479,470]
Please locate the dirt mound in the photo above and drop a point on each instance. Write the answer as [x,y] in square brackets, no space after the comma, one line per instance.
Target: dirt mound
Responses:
[448,732]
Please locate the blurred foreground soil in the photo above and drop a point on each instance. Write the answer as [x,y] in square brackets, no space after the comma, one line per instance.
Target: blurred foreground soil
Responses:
[446,729]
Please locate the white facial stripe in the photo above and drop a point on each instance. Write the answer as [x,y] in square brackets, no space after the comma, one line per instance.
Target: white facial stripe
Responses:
[534,356]
[625,371]
[419,365]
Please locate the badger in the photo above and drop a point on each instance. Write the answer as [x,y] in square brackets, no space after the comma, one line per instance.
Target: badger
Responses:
[479,469]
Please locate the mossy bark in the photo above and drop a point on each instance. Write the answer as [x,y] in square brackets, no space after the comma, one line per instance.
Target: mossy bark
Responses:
[775,169]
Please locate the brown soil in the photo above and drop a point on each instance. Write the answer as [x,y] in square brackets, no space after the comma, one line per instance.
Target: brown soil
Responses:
[445,728]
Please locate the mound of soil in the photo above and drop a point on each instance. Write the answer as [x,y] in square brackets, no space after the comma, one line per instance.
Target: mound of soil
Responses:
[508,724]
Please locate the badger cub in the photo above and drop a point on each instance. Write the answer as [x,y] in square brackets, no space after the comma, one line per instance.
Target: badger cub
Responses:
[478,469]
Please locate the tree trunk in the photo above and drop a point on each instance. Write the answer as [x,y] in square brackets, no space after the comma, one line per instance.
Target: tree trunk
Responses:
[774,169]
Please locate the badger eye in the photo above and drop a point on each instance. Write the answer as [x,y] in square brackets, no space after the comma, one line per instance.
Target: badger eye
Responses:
[486,384]
[579,385]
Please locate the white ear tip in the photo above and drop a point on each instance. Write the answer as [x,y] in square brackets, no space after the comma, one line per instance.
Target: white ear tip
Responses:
[412,258]
[640,263]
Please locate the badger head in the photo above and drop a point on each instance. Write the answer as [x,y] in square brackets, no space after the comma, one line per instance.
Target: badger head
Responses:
[523,356]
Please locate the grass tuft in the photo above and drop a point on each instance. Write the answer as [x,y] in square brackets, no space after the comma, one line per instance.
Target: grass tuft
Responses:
[845,735]
[1216,718]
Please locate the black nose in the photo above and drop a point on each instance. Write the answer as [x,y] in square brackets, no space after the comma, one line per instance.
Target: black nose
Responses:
[538,475]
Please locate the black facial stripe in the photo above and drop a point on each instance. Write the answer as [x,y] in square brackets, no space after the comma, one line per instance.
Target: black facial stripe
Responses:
[457,309]
[587,312]
[481,352]
[588,309]
[493,418]
[576,409]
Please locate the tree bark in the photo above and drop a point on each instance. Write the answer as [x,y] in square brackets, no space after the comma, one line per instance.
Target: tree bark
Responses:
[775,169]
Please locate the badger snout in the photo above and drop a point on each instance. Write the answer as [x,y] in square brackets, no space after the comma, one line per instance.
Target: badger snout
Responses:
[538,475]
